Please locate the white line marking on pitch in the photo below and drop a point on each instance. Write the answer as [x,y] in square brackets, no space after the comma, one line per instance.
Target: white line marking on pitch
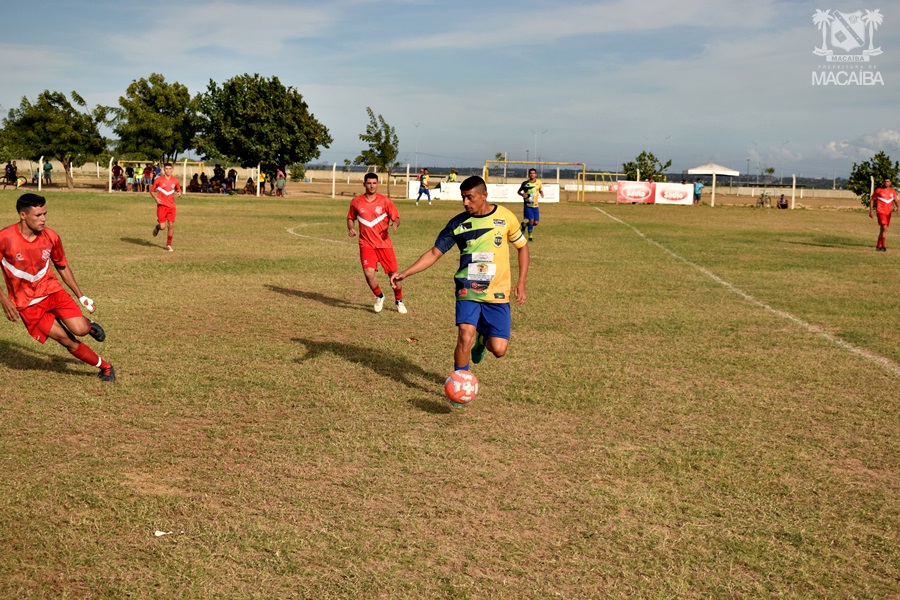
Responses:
[291,231]
[815,330]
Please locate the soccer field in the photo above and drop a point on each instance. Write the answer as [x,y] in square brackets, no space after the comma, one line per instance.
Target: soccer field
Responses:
[696,402]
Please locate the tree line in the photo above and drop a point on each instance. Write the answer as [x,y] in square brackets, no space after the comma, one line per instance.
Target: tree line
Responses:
[249,120]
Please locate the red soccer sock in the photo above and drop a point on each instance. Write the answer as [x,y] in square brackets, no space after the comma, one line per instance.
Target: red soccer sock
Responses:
[377,291]
[398,295]
[880,243]
[169,240]
[84,353]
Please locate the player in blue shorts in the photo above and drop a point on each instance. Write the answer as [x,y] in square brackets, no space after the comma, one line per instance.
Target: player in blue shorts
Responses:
[530,190]
[483,234]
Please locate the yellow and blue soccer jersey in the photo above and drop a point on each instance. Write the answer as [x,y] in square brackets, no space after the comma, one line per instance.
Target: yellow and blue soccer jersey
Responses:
[484,273]
[532,190]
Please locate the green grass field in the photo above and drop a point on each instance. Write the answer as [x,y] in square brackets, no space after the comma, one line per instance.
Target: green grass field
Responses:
[696,403]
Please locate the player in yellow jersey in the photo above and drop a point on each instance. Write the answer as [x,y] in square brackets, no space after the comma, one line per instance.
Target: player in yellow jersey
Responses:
[483,281]
[530,190]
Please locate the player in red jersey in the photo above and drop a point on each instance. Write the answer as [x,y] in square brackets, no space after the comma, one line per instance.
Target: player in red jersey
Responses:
[376,214]
[166,188]
[36,295]
[883,202]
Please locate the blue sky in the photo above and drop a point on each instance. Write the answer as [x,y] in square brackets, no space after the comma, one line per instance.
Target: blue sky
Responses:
[594,82]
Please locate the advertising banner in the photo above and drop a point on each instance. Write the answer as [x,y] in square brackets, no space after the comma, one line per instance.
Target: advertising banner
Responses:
[634,192]
[674,193]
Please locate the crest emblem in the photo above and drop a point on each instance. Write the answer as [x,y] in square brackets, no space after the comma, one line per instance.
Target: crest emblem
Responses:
[845,32]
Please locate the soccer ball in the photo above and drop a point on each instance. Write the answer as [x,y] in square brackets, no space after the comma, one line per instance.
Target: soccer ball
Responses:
[461,387]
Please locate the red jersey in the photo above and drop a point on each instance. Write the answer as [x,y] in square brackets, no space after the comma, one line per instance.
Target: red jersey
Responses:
[884,199]
[374,217]
[26,265]
[165,188]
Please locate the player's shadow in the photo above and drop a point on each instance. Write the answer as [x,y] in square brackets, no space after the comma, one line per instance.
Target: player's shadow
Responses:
[399,369]
[21,358]
[831,241]
[317,297]
[139,242]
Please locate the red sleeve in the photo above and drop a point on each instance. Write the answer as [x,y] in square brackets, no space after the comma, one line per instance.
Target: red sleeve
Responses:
[57,254]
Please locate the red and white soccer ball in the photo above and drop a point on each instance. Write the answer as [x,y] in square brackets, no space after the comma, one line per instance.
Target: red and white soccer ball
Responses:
[461,387]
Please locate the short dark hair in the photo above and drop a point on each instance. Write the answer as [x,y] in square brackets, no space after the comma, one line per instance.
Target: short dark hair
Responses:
[29,200]
[369,176]
[470,183]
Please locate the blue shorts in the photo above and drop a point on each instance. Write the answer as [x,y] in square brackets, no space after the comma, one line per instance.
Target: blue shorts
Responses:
[491,320]
[532,213]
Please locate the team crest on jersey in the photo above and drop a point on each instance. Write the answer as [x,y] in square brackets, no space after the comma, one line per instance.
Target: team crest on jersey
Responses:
[45,254]
[18,256]
[498,240]
[378,210]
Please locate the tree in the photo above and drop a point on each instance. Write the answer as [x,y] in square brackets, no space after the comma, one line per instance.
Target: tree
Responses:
[53,128]
[879,167]
[645,166]
[155,119]
[258,121]
[383,145]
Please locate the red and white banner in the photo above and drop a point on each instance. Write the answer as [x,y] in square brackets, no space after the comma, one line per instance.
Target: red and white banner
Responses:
[643,192]
[674,193]
[634,192]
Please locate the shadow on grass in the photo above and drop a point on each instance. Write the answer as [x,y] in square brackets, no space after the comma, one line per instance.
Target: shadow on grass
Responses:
[326,300]
[831,241]
[23,358]
[139,242]
[399,369]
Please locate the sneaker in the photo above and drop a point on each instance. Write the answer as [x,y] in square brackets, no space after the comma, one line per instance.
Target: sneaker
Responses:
[97,332]
[401,308]
[155,230]
[430,204]
[530,239]
[107,374]
[379,303]
[478,349]
[169,249]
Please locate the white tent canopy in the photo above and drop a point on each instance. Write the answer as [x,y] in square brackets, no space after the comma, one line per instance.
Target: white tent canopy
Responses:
[713,169]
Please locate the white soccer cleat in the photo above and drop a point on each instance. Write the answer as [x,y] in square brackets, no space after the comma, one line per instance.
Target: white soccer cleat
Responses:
[401,308]
[379,304]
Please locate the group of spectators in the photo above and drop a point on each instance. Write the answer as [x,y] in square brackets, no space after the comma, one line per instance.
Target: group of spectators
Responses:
[131,179]
[221,182]
[12,177]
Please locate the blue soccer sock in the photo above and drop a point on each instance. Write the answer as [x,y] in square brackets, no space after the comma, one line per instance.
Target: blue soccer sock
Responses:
[464,368]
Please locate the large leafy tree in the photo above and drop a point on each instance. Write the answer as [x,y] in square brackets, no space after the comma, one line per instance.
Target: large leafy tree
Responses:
[155,119]
[383,145]
[649,167]
[258,121]
[879,167]
[56,128]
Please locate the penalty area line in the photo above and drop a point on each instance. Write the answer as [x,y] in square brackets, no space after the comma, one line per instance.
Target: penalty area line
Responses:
[809,327]
[291,231]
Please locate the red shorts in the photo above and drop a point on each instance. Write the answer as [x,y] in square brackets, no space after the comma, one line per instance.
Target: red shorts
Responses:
[165,213]
[39,318]
[370,257]
[884,218]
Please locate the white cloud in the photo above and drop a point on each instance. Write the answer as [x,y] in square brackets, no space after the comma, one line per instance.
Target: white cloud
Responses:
[864,146]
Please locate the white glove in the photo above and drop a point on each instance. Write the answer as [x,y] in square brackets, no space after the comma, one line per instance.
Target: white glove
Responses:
[87,303]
